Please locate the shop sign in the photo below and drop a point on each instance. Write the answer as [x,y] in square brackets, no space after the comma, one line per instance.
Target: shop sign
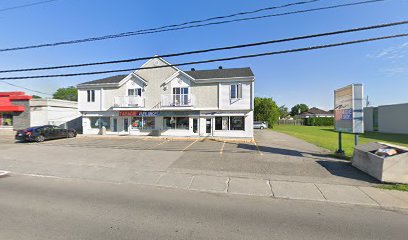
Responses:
[348,109]
[137,113]
[128,113]
[179,113]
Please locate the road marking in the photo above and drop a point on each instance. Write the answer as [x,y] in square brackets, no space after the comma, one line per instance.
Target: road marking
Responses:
[222,148]
[158,145]
[191,144]
[257,147]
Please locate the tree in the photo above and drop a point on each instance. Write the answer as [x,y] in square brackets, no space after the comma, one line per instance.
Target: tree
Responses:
[69,93]
[299,109]
[283,111]
[36,96]
[265,109]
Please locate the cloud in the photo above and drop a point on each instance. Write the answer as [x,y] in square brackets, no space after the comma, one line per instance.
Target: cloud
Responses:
[392,53]
[392,71]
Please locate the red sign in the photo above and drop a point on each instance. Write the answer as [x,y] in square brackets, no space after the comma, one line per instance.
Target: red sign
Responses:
[128,113]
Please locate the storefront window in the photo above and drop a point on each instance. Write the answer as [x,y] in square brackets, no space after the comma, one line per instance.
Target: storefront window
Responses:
[148,123]
[237,123]
[137,123]
[221,123]
[169,123]
[176,123]
[98,122]
[6,119]
[182,123]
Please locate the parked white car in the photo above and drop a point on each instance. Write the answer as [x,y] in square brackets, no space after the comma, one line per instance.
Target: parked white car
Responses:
[260,125]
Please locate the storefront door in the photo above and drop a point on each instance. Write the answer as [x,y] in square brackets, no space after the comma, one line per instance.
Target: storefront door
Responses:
[208,126]
[115,124]
[195,125]
[126,124]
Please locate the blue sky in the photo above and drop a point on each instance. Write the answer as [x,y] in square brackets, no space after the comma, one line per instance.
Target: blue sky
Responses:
[307,77]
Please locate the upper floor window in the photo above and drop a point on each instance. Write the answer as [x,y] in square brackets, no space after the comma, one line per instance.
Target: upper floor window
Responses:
[90,95]
[236,91]
[181,96]
[135,92]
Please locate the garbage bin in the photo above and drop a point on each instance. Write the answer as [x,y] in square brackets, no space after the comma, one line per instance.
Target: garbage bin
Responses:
[383,161]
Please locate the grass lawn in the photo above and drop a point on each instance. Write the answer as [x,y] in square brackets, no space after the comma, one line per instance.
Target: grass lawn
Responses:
[326,137]
[399,187]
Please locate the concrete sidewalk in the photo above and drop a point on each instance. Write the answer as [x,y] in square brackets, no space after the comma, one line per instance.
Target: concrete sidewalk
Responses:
[346,194]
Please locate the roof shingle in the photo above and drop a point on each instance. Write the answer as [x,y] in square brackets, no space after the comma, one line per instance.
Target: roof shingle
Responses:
[112,79]
[221,73]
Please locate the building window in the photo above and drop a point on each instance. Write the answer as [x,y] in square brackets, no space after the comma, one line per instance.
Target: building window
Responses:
[135,92]
[236,91]
[180,96]
[169,123]
[237,123]
[149,122]
[6,119]
[142,123]
[221,123]
[182,123]
[136,123]
[90,95]
[98,122]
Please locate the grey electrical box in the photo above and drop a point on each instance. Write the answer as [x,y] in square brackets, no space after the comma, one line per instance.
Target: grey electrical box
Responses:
[383,161]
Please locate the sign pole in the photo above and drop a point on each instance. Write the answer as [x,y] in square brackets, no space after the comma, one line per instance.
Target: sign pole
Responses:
[355,139]
[340,149]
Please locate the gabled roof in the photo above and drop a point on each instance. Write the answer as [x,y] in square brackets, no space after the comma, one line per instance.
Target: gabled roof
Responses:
[112,79]
[315,110]
[221,73]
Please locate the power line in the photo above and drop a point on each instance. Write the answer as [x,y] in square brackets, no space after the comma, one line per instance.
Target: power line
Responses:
[216,60]
[28,89]
[213,49]
[26,5]
[160,29]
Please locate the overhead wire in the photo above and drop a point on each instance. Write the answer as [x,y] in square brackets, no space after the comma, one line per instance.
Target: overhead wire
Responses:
[383,25]
[215,60]
[166,29]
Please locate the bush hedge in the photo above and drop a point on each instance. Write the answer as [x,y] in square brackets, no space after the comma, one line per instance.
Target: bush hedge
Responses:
[319,121]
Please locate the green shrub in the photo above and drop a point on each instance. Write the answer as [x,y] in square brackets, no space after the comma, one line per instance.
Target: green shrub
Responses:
[319,121]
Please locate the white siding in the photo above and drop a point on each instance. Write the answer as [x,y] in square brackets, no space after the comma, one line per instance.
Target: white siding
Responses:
[226,103]
[84,105]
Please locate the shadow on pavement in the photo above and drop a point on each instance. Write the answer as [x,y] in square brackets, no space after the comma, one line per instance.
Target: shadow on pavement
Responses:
[346,170]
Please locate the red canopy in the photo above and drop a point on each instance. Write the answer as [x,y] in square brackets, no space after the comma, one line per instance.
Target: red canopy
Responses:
[6,99]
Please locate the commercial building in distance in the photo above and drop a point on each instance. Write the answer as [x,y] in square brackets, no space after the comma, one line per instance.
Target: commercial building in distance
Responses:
[169,101]
[20,111]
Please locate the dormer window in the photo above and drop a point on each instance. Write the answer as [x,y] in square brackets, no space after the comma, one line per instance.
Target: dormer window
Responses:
[135,92]
[236,91]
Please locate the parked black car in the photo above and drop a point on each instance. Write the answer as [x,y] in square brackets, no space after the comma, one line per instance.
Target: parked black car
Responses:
[42,133]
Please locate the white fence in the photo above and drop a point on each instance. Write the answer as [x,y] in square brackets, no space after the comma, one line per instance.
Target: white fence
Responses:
[177,100]
[129,101]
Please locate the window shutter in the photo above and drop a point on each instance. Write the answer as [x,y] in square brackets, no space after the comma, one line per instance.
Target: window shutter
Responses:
[88,93]
[239,90]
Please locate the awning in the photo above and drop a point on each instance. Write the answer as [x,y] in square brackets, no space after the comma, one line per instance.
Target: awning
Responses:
[12,108]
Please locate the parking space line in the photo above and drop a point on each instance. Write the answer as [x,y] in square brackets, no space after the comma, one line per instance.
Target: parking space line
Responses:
[158,144]
[191,144]
[222,148]
[257,147]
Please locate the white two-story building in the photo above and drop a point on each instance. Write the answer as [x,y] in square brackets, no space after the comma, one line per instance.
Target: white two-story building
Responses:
[170,101]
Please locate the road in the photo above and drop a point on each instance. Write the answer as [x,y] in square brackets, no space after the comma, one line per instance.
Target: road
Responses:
[52,208]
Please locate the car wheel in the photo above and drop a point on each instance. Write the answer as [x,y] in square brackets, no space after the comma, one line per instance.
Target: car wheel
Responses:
[71,135]
[39,138]
[262,127]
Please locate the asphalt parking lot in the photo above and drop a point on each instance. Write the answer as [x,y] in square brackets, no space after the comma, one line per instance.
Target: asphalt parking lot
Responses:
[273,156]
